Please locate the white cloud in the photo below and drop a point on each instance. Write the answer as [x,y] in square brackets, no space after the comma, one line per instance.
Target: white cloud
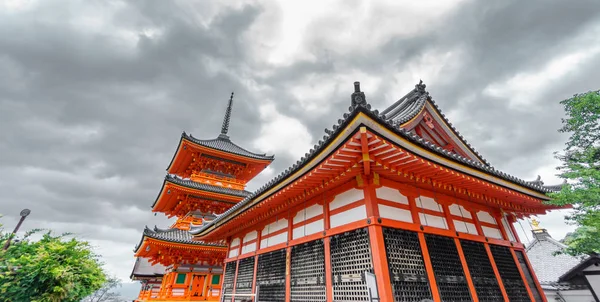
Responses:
[281,134]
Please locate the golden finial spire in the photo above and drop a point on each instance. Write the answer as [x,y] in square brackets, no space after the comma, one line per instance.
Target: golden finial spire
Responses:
[536,224]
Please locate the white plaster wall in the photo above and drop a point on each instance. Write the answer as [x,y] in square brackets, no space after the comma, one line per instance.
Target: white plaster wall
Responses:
[251,236]
[235,242]
[307,213]
[465,227]
[274,227]
[345,198]
[428,203]
[508,231]
[460,211]
[433,221]
[249,248]
[486,217]
[277,239]
[233,253]
[395,213]
[594,281]
[308,229]
[391,194]
[348,216]
[491,232]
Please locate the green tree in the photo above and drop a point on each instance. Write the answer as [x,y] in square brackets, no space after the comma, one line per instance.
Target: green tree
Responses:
[53,268]
[581,168]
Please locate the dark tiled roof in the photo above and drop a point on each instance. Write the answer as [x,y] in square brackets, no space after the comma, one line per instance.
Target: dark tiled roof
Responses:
[223,143]
[175,235]
[205,187]
[552,188]
[390,125]
[592,259]
[411,104]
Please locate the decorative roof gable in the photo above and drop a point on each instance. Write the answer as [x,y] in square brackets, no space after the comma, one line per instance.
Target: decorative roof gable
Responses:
[417,113]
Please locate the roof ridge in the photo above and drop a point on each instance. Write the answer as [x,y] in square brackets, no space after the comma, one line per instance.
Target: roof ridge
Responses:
[356,107]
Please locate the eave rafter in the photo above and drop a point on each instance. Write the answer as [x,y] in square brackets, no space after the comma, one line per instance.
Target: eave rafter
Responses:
[366,152]
[414,170]
[169,253]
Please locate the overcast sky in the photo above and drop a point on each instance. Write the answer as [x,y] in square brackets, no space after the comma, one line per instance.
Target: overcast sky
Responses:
[95,94]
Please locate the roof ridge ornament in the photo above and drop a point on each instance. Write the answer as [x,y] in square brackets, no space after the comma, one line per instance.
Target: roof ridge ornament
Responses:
[358,97]
[225,127]
[420,87]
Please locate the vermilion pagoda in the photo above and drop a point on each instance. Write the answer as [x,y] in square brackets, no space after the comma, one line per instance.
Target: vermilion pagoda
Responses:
[205,177]
[390,206]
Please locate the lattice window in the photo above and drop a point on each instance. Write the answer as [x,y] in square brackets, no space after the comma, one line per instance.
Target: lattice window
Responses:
[230,268]
[528,276]
[482,273]
[270,276]
[350,260]
[407,269]
[308,272]
[511,278]
[447,268]
[243,284]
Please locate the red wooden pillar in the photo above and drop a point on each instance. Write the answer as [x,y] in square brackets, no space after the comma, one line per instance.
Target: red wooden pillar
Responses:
[511,220]
[429,268]
[498,220]
[463,261]
[522,274]
[496,272]
[537,282]
[380,264]
[477,223]
[328,274]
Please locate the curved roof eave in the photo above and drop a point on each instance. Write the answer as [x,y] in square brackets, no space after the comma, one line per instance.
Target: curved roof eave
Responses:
[390,125]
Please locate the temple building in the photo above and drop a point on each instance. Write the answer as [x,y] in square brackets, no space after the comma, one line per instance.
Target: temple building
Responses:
[388,206]
[563,277]
[204,179]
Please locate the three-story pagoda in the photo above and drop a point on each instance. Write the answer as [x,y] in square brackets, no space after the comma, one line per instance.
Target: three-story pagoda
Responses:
[204,179]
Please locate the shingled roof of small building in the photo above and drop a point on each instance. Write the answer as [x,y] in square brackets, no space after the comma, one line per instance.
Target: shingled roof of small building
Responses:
[360,105]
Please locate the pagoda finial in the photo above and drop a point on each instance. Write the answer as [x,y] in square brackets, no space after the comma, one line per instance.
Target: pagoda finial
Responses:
[225,127]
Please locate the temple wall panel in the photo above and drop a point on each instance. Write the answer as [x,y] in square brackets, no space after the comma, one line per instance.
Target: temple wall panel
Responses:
[395,213]
[491,232]
[391,194]
[274,240]
[233,252]
[348,216]
[247,248]
[460,211]
[485,217]
[308,229]
[433,221]
[346,198]
[465,227]
[308,213]
[428,203]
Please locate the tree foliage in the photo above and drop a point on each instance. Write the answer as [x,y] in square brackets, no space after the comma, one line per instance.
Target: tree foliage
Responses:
[53,268]
[581,168]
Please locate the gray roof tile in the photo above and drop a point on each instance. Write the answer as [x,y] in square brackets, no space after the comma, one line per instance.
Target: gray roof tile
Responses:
[391,125]
[223,143]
